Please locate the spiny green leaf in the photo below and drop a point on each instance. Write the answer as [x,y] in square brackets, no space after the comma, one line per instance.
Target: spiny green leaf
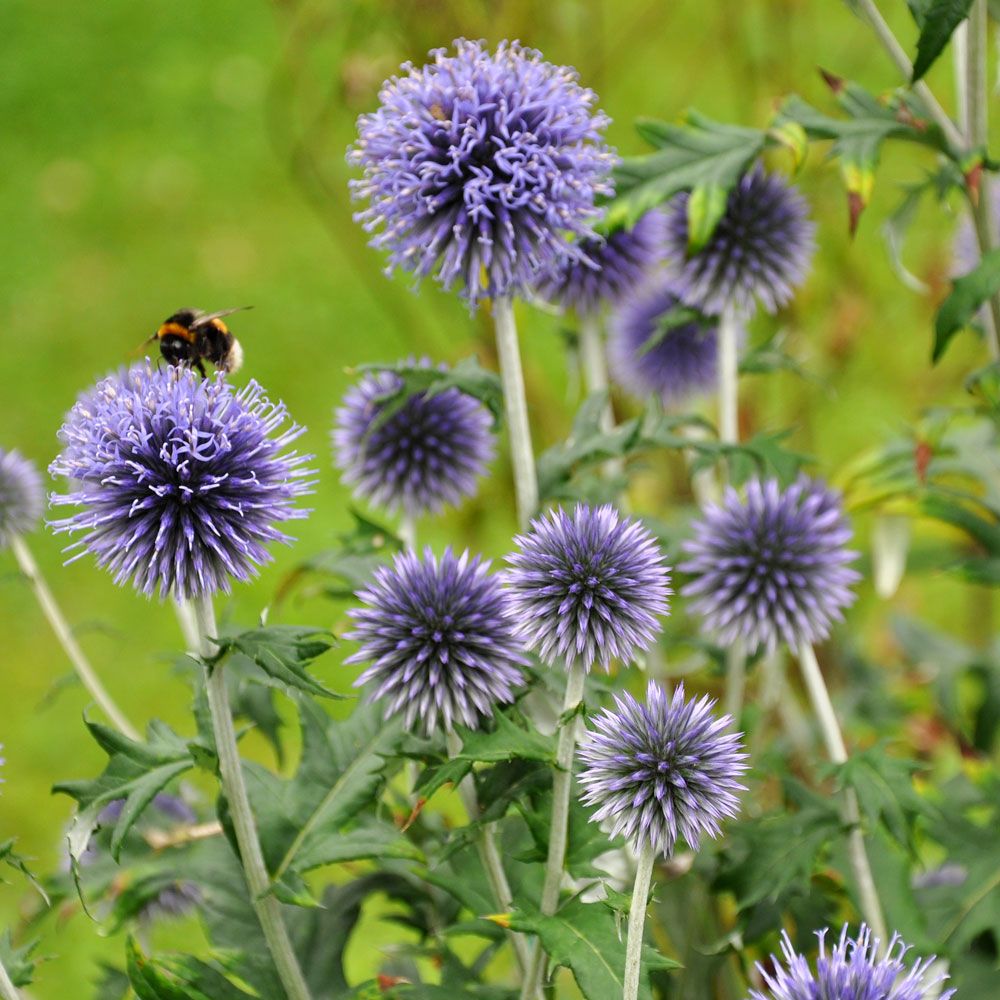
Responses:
[705,208]
[135,772]
[18,962]
[10,857]
[696,153]
[938,21]
[967,295]
[585,938]
[283,652]
[505,741]
[180,977]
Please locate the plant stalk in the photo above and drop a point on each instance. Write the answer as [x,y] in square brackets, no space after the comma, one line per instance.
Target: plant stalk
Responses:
[88,677]
[408,532]
[265,904]
[562,784]
[819,695]
[729,433]
[489,853]
[8,991]
[516,407]
[636,921]
[594,362]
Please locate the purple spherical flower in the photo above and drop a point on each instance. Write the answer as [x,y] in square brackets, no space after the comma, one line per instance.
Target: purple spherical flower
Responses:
[662,770]
[760,250]
[854,969]
[181,481]
[647,361]
[605,270]
[587,586]
[481,167]
[22,497]
[440,649]
[427,455]
[773,567]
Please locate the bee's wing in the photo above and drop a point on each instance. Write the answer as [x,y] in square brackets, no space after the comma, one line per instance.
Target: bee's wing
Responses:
[208,317]
[139,348]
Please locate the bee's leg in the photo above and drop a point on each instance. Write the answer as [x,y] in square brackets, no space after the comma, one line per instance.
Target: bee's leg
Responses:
[201,368]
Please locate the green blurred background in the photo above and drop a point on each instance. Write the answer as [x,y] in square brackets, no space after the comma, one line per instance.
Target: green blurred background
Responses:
[162,155]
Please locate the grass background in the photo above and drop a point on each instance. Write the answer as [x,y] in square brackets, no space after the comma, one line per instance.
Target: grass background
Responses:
[162,155]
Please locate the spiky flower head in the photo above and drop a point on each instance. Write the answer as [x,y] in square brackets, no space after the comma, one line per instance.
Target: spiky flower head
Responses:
[22,496]
[772,567]
[440,648]
[181,481]
[759,252]
[657,346]
[422,457]
[606,269]
[662,770]
[854,969]
[586,586]
[481,167]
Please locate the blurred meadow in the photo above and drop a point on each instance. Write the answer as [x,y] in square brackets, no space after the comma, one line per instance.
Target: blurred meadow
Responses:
[157,156]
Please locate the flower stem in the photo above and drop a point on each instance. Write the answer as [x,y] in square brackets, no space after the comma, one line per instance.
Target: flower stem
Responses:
[871,907]
[267,907]
[28,566]
[189,627]
[408,532]
[562,784]
[729,433]
[8,991]
[594,362]
[637,920]
[516,406]
[976,115]
[489,852]
[870,13]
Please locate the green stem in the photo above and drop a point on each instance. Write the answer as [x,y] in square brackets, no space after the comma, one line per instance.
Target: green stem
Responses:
[64,634]
[594,362]
[562,784]
[636,922]
[8,991]
[489,853]
[408,532]
[819,695]
[516,407]
[267,907]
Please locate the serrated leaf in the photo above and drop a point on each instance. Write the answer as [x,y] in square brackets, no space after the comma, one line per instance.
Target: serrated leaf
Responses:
[585,938]
[179,977]
[705,208]
[968,293]
[18,962]
[306,821]
[283,652]
[698,151]
[135,772]
[12,859]
[506,741]
[938,20]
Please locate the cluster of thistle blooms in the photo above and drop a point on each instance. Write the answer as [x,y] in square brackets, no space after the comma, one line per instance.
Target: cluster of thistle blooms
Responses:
[478,165]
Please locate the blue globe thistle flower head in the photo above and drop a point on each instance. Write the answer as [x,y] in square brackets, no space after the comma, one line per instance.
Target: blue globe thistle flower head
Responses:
[854,969]
[662,770]
[181,482]
[759,253]
[587,585]
[439,647]
[425,456]
[773,567]
[481,167]
[22,497]
[674,364]
[606,269]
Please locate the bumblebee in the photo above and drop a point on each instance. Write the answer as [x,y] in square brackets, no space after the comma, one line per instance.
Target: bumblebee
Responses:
[192,337]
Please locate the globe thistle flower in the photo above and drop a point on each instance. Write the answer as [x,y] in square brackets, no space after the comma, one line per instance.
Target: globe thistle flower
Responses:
[662,770]
[424,457]
[679,364]
[440,650]
[22,498]
[853,969]
[760,250]
[587,586]
[181,481]
[772,567]
[605,270]
[481,167]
